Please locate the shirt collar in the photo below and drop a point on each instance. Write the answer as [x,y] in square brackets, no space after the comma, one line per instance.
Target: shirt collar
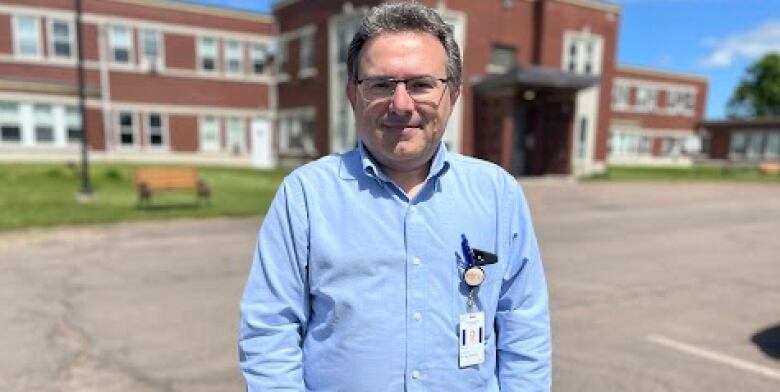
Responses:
[371,168]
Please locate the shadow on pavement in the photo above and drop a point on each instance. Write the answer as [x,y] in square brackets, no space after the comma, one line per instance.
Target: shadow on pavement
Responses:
[768,340]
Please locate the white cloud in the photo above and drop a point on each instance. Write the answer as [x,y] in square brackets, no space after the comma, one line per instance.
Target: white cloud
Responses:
[750,44]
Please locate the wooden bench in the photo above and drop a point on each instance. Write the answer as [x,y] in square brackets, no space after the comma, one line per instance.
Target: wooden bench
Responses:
[769,167]
[152,180]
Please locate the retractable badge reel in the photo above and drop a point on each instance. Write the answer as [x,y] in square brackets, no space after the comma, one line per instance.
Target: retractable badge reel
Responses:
[474,275]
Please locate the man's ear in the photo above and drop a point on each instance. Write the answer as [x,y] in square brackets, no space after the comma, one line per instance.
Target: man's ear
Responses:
[455,94]
[351,90]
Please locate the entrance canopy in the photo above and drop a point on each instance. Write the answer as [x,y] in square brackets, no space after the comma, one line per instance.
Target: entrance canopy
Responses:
[532,76]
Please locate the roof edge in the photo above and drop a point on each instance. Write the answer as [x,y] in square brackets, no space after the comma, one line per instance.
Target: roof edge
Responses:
[595,4]
[202,9]
[741,121]
[282,3]
[660,72]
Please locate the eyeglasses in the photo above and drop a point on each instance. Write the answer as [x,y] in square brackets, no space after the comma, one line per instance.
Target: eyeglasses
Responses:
[422,89]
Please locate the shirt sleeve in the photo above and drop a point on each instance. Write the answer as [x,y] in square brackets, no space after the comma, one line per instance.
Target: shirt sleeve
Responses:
[274,306]
[523,340]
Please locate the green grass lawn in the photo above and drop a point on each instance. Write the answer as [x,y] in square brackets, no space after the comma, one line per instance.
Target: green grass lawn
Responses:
[45,195]
[694,173]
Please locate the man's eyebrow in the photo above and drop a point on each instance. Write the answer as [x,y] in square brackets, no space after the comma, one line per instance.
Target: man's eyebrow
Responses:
[397,78]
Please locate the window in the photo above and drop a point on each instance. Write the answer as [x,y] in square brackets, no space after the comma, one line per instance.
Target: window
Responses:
[61,39]
[738,144]
[27,36]
[126,129]
[10,127]
[502,58]
[209,133]
[582,52]
[582,138]
[73,125]
[772,150]
[671,146]
[259,58]
[297,133]
[207,54]
[234,57]
[44,124]
[236,135]
[121,42]
[755,145]
[681,101]
[645,98]
[307,55]
[156,136]
[284,61]
[620,96]
[151,49]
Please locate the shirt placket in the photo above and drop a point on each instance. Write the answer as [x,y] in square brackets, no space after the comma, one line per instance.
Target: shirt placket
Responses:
[415,300]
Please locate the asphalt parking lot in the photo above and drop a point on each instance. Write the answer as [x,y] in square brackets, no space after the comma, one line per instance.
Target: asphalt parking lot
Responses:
[654,287]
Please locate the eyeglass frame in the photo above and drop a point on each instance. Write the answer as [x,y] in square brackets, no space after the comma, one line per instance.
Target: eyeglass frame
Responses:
[395,82]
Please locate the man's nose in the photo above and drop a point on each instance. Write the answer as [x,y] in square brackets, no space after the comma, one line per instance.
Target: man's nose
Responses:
[401,100]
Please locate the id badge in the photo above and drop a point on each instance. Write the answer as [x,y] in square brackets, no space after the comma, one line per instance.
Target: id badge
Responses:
[472,339]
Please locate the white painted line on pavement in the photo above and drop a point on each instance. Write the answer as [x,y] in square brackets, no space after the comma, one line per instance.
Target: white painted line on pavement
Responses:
[717,357]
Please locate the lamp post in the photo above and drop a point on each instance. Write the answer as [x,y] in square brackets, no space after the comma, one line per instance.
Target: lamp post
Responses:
[86,186]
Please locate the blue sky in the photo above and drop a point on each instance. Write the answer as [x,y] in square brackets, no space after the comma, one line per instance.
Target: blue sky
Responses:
[713,38]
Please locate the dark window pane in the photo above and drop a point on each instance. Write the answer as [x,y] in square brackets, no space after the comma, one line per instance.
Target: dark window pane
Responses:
[259,67]
[62,49]
[126,138]
[44,134]
[155,120]
[208,64]
[10,133]
[156,140]
[121,55]
[74,134]
[125,119]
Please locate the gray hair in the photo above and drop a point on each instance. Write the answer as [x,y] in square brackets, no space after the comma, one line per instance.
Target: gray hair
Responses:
[401,17]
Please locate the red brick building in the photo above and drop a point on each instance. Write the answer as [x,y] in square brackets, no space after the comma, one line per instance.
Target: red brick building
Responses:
[179,81]
[537,92]
[742,140]
[654,116]
[163,79]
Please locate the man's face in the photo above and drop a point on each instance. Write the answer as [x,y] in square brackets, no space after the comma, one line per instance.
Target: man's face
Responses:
[400,133]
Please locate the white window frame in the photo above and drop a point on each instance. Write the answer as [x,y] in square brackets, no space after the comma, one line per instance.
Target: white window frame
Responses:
[621,96]
[291,124]
[681,101]
[581,41]
[307,55]
[17,123]
[114,44]
[53,39]
[258,52]
[283,60]
[163,131]
[202,55]
[202,122]
[49,123]
[646,99]
[17,37]
[68,124]
[133,128]
[146,63]
[232,142]
[233,51]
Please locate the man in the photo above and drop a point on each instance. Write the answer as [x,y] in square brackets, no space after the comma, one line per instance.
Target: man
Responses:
[359,280]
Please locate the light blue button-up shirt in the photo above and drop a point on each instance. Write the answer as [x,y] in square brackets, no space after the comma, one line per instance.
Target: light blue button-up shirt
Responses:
[355,287]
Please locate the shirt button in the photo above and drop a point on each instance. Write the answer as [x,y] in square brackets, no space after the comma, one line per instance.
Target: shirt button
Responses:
[413,209]
[416,261]
[418,316]
[415,374]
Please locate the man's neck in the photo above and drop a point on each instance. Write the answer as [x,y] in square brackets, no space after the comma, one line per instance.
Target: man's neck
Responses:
[411,181]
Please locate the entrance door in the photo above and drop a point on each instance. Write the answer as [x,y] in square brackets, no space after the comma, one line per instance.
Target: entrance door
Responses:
[519,138]
[262,146]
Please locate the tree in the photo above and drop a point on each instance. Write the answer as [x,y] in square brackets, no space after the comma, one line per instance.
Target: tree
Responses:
[758,93]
